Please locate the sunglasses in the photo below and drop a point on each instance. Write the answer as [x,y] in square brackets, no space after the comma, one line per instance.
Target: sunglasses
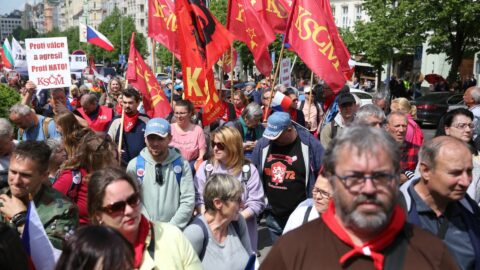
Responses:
[158,174]
[220,146]
[118,207]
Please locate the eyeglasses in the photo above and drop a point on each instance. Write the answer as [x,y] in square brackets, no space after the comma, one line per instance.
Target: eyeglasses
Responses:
[323,194]
[464,125]
[219,145]
[118,207]
[158,174]
[181,113]
[356,180]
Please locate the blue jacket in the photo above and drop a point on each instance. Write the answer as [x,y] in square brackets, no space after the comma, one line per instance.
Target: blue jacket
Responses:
[312,151]
[470,216]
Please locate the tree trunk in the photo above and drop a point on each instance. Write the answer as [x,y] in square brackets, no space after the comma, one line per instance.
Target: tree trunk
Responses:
[456,54]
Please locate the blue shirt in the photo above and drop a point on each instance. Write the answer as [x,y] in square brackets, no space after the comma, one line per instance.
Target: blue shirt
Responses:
[36,133]
[456,237]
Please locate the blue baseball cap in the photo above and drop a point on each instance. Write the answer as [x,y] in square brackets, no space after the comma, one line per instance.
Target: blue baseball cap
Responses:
[157,126]
[276,124]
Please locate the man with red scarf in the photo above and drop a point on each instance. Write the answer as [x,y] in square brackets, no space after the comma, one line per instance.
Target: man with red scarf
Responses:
[97,116]
[134,125]
[363,227]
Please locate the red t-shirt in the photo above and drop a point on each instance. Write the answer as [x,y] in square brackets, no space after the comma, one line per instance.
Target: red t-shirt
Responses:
[63,183]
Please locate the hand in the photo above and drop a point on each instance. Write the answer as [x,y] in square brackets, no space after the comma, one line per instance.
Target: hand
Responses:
[30,86]
[10,206]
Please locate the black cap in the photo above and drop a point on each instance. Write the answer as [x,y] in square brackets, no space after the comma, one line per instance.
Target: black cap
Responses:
[345,98]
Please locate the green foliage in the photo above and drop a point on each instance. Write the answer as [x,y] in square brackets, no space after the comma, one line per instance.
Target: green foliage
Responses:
[219,10]
[111,27]
[21,34]
[8,97]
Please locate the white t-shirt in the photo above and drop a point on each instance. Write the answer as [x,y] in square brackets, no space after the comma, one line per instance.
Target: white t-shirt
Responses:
[296,218]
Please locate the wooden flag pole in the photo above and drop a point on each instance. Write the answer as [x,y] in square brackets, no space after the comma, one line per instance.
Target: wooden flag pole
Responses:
[154,62]
[120,139]
[231,74]
[277,69]
[310,98]
[173,79]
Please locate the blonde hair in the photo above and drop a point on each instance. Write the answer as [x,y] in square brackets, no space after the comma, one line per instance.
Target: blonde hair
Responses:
[233,147]
[404,106]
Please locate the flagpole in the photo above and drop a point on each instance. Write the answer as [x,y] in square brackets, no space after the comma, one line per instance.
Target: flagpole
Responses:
[231,73]
[277,69]
[120,139]
[154,62]
[173,79]
[310,96]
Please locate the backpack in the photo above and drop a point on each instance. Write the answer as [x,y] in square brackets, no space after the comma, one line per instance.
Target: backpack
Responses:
[177,168]
[246,171]
[75,185]
[45,124]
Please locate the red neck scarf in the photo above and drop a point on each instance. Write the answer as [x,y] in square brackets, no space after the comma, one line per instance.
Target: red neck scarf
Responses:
[373,247]
[130,121]
[139,246]
[118,109]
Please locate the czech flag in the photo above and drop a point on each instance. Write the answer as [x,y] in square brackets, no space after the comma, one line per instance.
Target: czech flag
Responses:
[36,243]
[96,38]
[280,102]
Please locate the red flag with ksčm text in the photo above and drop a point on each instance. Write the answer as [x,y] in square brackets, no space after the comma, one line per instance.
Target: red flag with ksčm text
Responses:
[276,14]
[251,28]
[309,36]
[341,50]
[140,76]
[162,24]
[202,40]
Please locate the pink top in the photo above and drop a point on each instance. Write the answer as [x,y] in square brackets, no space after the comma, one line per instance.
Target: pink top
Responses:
[190,142]
[414,132]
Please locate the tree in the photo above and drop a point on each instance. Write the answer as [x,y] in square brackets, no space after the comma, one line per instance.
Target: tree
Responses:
[8,97]
[21,34]
[111,28]
[453,27]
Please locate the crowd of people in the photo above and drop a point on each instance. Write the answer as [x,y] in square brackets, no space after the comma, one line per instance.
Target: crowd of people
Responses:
[355,187]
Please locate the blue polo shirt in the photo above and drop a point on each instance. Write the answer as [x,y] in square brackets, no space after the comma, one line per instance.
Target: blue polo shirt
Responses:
[36,132]
[456,237]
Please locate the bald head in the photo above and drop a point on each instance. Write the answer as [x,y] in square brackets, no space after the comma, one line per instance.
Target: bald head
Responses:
[435,148]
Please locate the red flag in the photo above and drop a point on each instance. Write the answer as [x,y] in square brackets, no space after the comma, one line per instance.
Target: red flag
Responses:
[249,27]
[341,50]
[276,14]
[311,36]
[207,38]
[202,40]
[226,61]
[162,24]
[3,56]
[140,76]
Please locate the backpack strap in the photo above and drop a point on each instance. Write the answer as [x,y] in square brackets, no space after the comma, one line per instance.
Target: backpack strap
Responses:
[208,169]
[45,124]
[302,104]
[246,172]
[334,129]
[75,185]
[199,222]
[178,169]
[140,168]
[307,214]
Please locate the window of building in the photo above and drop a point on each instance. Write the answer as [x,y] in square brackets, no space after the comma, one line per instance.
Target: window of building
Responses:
[345,16]
[142,22]
[358,12]
[142,8]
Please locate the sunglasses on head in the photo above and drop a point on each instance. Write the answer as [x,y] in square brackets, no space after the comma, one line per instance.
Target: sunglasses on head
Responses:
[158,174]
[117,207]
[219,145]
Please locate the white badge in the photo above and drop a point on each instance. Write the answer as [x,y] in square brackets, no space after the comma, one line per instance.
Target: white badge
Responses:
[177,169]
[246,168]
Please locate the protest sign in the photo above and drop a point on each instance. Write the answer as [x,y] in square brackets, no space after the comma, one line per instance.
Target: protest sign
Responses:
[48,62]
[285,75]
[78,62]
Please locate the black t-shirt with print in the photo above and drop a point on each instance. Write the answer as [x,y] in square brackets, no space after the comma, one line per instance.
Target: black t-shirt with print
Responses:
[284,178]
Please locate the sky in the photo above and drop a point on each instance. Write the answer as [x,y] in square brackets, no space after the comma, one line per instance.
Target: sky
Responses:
[7,6]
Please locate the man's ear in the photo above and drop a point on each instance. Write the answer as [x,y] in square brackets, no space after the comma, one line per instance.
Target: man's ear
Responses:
[217,203]
[425,171]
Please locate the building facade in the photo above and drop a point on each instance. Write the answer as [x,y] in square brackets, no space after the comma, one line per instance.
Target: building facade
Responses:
[10,22]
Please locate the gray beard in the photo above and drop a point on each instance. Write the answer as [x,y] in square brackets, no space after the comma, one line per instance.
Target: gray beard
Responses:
[365,223]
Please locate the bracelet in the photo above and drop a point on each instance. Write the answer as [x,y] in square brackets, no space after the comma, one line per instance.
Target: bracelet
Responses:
[19,219]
